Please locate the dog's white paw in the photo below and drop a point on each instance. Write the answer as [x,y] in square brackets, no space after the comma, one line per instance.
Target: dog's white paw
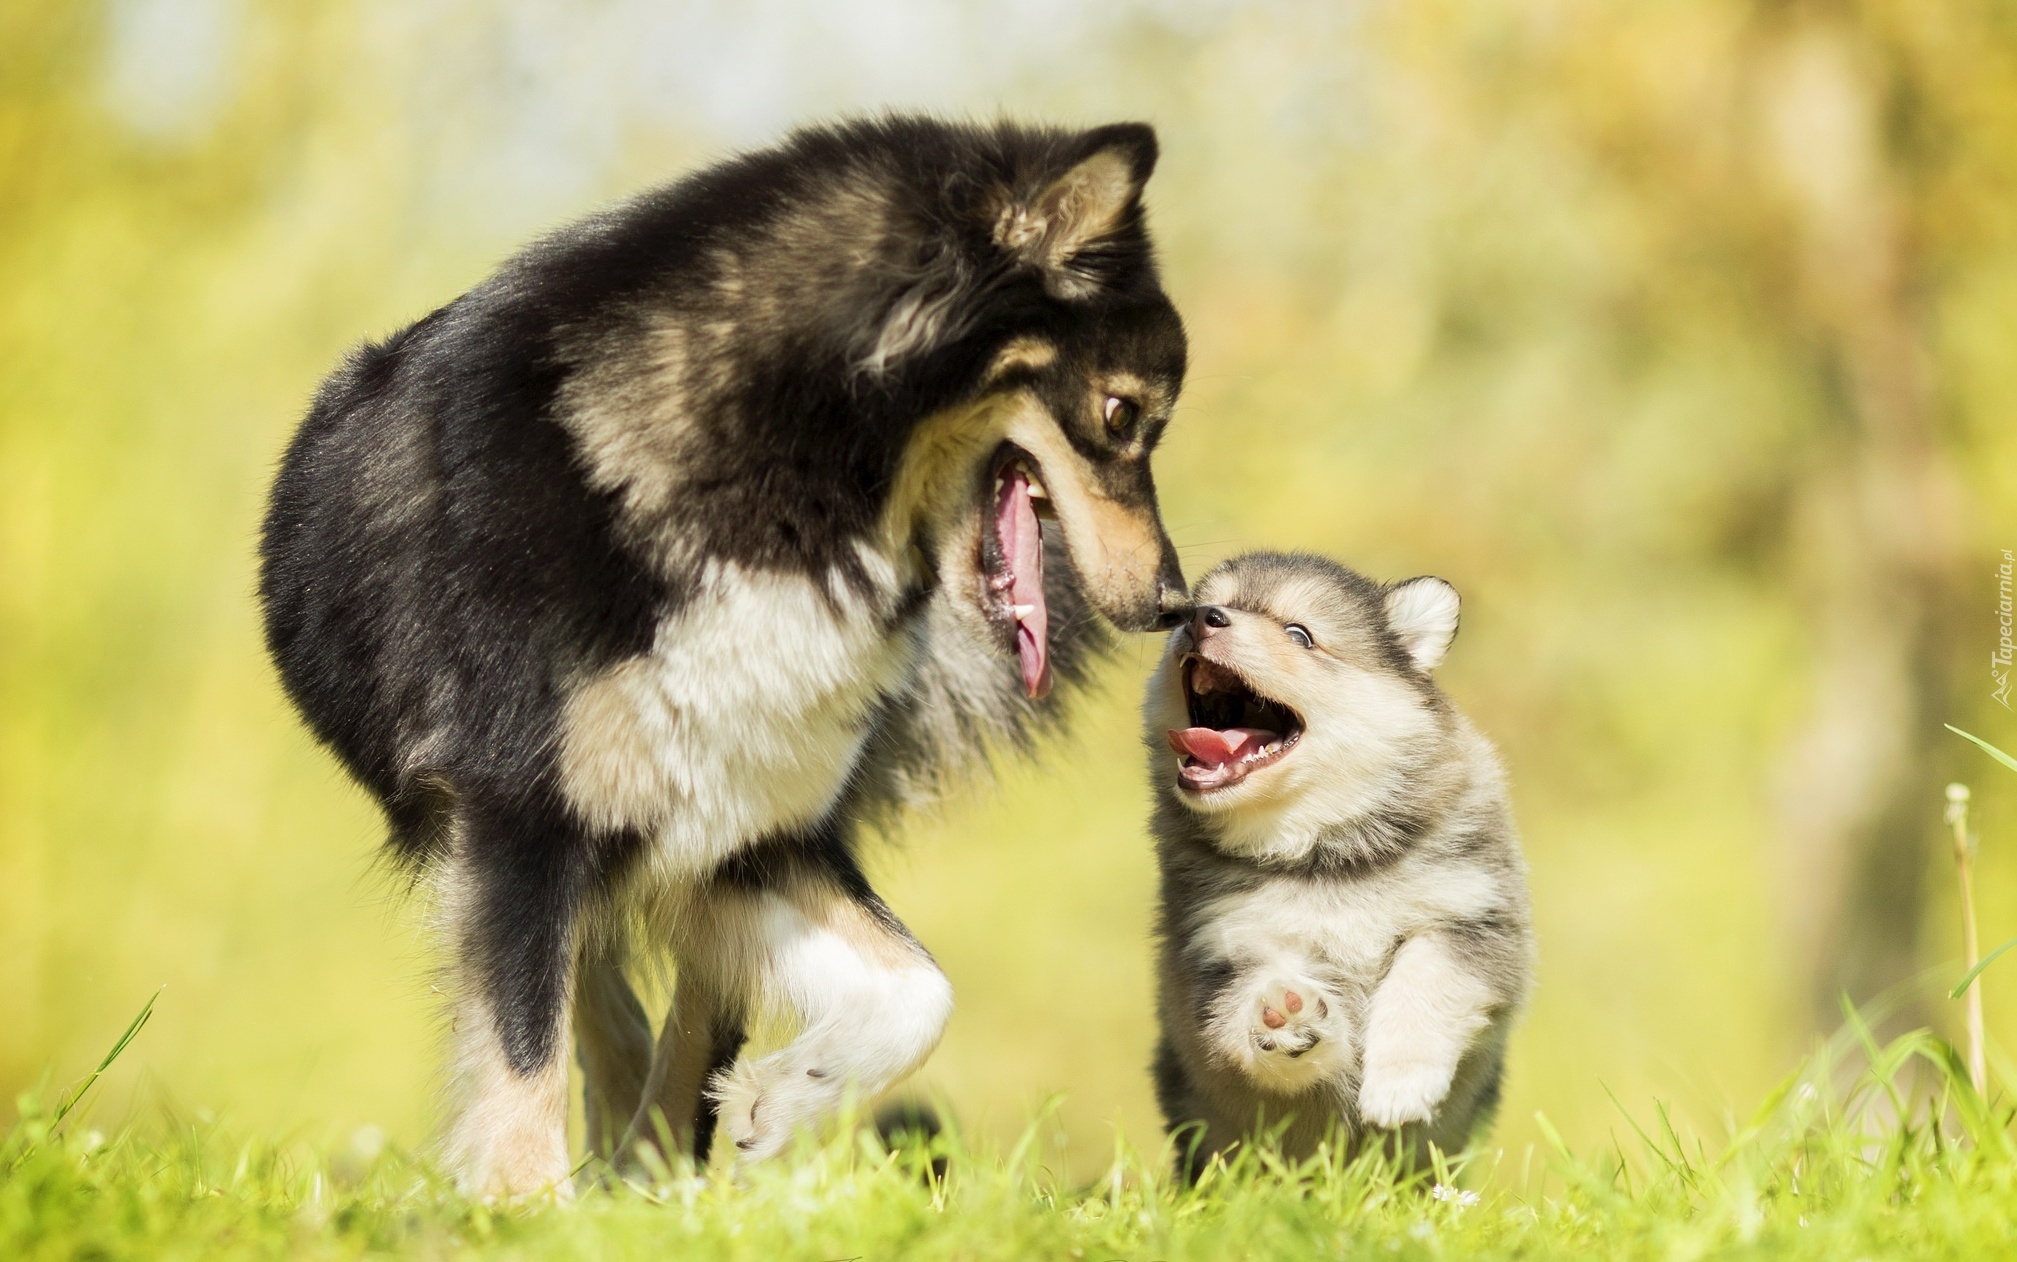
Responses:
[1394,1094]
[738,1100]
[1294,1032]
[761,1104]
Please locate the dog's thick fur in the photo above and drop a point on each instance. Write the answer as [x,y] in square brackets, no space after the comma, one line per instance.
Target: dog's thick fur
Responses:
[1344,926]
[636,579]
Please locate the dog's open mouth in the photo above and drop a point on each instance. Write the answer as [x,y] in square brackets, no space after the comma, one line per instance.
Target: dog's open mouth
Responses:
[1015,565]
[1234,730]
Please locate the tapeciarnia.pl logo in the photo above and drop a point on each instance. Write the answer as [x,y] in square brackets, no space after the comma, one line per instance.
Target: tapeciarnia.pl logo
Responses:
[1999,660]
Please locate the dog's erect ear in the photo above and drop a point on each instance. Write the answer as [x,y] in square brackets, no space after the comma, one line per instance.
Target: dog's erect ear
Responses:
[1090,201]
[1422,614]
[1058,229]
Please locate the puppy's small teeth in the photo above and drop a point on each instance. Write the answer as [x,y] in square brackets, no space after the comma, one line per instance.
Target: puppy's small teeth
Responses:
[1022,611]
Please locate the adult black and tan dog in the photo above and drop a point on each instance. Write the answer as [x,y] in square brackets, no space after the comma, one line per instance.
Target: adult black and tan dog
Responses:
[633,581]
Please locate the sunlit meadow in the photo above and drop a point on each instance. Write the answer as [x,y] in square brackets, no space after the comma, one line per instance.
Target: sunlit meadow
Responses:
[1558,301]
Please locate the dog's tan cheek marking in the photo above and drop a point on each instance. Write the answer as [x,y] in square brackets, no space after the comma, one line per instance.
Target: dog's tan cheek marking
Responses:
[934,480]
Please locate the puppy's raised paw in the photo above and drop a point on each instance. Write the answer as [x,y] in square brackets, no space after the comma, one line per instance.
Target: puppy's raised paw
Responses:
[1291,1018]
[1295,1034]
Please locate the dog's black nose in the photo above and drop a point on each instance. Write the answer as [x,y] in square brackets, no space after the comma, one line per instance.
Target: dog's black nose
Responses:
[1213,616]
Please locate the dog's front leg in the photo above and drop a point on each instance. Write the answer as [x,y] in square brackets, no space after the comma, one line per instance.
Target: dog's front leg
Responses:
[868,1001]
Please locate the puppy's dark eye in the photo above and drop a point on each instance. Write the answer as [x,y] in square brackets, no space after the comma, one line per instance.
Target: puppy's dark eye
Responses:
[1121,415]
[1301,637]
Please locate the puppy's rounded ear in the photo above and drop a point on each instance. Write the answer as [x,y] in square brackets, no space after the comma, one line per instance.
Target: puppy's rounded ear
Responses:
[1422,614]
[1090,202]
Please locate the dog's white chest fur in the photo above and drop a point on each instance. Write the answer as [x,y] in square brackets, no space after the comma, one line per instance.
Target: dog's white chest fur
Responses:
[1351,924]
[744,720]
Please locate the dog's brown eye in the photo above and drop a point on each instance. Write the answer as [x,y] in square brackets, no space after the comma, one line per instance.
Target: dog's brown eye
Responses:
[1301,637]
[1121,415]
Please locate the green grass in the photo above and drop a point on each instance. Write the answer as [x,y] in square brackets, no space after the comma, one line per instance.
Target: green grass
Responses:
[1902,1161]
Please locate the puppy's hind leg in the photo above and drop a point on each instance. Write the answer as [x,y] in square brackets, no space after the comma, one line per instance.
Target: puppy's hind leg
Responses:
[868,1001]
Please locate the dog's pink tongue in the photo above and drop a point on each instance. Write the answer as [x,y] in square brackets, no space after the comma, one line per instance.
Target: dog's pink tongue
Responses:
[1022,543]
[1214,747]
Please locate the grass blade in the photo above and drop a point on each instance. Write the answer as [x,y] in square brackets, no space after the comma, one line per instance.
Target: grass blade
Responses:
[76,1093]
[1961,986]
[1993,752]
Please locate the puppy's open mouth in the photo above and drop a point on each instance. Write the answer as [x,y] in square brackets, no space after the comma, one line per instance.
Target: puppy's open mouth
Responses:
[1013,558]
[1234,730]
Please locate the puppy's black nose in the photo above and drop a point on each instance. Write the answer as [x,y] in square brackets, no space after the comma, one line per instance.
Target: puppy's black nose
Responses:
[1210,617]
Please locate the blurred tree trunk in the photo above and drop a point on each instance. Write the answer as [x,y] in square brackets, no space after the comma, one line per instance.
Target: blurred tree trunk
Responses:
[1874,515]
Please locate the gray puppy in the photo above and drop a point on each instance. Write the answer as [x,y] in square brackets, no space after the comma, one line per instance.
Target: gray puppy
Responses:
[1345,932]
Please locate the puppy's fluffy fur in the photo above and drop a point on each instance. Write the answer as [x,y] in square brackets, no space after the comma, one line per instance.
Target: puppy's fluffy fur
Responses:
[1344,926]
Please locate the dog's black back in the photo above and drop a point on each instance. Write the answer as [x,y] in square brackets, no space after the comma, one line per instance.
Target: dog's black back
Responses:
[435,559]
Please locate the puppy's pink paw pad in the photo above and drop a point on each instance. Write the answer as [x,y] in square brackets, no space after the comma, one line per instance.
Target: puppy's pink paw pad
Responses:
[1290,1018]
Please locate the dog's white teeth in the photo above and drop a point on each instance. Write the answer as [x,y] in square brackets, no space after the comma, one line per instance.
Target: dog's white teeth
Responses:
[1022,611]
[1036,486]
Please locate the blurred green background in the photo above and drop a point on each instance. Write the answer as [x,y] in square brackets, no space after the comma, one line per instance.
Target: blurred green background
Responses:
[1678,336]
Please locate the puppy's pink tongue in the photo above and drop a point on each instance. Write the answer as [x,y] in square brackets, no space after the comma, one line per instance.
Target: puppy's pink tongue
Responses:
[1214,747]
[1022,545]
